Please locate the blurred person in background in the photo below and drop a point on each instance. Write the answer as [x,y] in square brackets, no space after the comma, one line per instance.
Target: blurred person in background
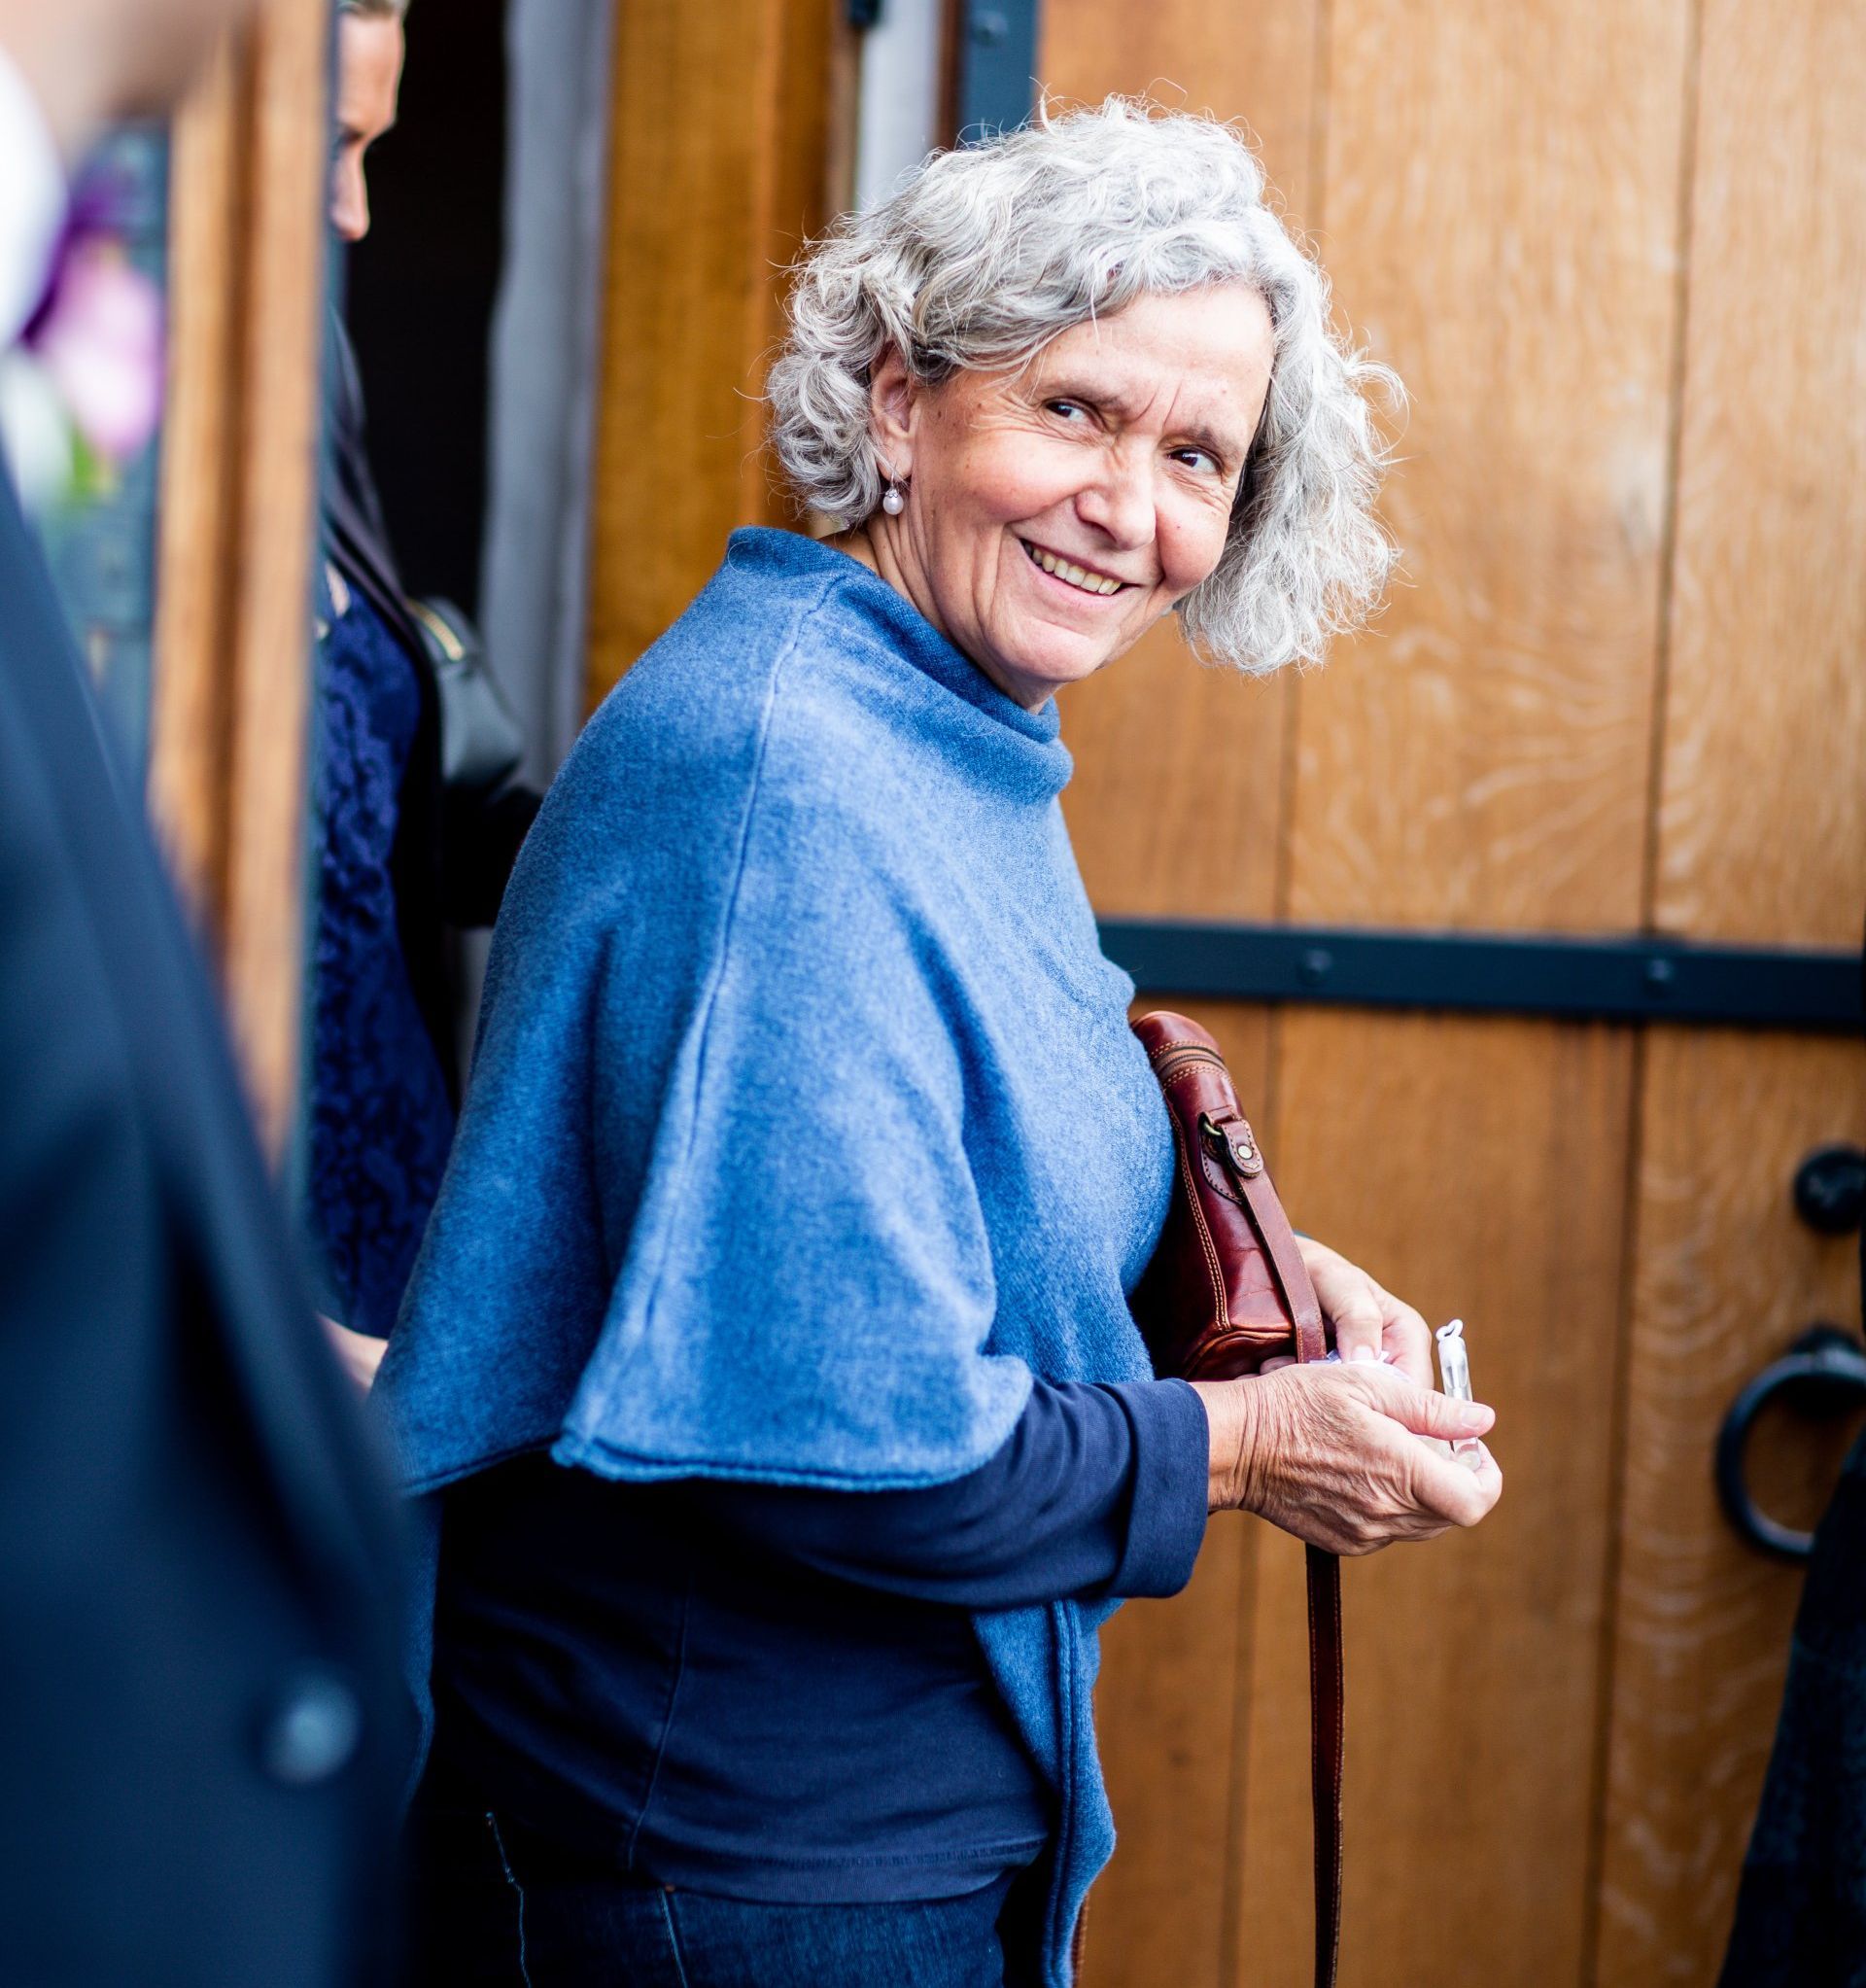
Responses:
[411,849]
[201,1732]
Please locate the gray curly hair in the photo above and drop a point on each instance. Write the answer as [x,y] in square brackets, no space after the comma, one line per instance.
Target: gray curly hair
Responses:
[981,256]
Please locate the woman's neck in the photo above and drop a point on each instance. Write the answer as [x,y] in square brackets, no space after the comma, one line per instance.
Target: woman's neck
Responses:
[877,549]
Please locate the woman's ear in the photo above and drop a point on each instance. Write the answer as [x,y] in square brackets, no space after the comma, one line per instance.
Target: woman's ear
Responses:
[893,397]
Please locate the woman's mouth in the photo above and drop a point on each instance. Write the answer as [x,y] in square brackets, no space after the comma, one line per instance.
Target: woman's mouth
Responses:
[1085,579]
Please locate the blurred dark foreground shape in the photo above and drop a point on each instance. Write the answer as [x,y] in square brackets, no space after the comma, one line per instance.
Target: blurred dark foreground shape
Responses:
[199,1733]
[1801,1913]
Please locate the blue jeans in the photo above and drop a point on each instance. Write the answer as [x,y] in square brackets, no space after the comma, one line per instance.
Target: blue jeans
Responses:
[497,1906]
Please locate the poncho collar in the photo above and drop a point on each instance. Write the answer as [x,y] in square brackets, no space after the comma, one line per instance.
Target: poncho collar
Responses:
[1028,742]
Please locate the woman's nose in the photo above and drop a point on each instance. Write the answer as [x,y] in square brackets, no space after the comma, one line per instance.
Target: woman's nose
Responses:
[1121,505]
[349,200]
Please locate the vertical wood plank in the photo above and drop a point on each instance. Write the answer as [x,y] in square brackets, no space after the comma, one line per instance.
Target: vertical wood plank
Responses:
[1502,190]
[726,105]
[1762,826]
[277,522]
[237,521]
[187,714]
[1726,1275]
[1174,1675]
[1478,1167]
[1482,759]
[1254,63]
[1176,804]
[1761,835]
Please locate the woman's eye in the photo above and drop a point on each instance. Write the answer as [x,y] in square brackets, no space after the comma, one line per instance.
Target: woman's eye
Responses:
[1201,460]
[1069,408]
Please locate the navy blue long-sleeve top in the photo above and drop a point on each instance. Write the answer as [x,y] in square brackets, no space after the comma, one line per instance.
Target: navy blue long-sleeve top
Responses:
[778,1694]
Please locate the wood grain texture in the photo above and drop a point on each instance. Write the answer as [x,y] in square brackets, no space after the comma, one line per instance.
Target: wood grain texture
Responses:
[189,708]
[1256,63]
[1175,808]
[1762,829]
[1502,201]
[720,157]
[1477,1168]
[1176,804]
[1725,1276]
[1173,1676]
[237,522]
[271,637]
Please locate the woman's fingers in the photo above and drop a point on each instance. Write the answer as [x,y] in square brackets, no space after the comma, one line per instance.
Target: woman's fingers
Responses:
[1423,1409]
[1460,1489]
[1347,1298]
[1368,1320]
[1408,1338]
[1344,1457]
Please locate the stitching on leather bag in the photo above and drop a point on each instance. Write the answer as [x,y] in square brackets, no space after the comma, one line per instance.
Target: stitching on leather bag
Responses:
[1213,1269]
[1216,1175]
[1213,1173]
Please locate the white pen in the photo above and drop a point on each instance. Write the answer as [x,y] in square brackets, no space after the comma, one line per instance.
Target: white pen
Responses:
[1454,1381]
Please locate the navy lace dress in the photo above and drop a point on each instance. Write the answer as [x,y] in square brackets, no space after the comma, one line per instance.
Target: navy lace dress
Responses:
[381,1119]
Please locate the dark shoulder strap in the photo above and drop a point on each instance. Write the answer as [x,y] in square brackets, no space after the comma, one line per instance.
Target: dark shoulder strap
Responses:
[1327,1733]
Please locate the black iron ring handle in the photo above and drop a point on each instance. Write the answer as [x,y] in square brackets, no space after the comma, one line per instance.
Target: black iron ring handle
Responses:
[1825,1369]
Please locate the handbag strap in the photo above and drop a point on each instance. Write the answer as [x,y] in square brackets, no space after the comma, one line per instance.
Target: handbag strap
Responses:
[1328,1732]
[1328,1703]
[1246,1168]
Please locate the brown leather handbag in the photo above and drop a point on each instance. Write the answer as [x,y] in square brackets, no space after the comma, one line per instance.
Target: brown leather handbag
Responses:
[1226,1291]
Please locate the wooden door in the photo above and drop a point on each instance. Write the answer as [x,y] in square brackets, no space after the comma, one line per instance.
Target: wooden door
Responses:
[1618,255]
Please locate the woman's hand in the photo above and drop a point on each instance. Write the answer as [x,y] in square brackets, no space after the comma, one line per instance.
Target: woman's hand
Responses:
[1364,1315]
[359,1351]
[1339,1455]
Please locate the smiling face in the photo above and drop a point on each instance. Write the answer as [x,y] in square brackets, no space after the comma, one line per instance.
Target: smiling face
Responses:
[1054,513]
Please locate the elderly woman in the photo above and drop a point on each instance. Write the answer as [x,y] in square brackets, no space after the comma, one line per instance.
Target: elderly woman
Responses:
[770,1351]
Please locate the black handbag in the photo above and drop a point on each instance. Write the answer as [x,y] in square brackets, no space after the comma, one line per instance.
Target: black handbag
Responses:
[481,744]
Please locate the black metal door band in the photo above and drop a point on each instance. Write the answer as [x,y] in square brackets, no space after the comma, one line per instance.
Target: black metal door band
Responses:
[1575,979]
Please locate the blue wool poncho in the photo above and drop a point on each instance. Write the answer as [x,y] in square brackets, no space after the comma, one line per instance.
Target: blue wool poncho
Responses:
[805,1123]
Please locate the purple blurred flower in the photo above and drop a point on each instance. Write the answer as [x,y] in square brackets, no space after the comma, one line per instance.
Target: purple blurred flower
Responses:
[98,330]
[100,337]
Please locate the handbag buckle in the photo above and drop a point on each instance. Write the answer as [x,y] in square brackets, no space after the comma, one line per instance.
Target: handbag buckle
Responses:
[1232,1140]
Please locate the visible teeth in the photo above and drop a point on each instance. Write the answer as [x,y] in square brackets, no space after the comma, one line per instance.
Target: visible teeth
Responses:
[1075,576]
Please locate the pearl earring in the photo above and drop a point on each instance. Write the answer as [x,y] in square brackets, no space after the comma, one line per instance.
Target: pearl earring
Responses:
[893,499]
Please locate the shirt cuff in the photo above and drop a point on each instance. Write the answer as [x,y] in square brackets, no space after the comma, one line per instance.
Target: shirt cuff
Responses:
[1171,1479]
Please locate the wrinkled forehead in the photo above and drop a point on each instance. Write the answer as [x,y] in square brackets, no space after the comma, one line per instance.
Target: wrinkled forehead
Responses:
[1203,355]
